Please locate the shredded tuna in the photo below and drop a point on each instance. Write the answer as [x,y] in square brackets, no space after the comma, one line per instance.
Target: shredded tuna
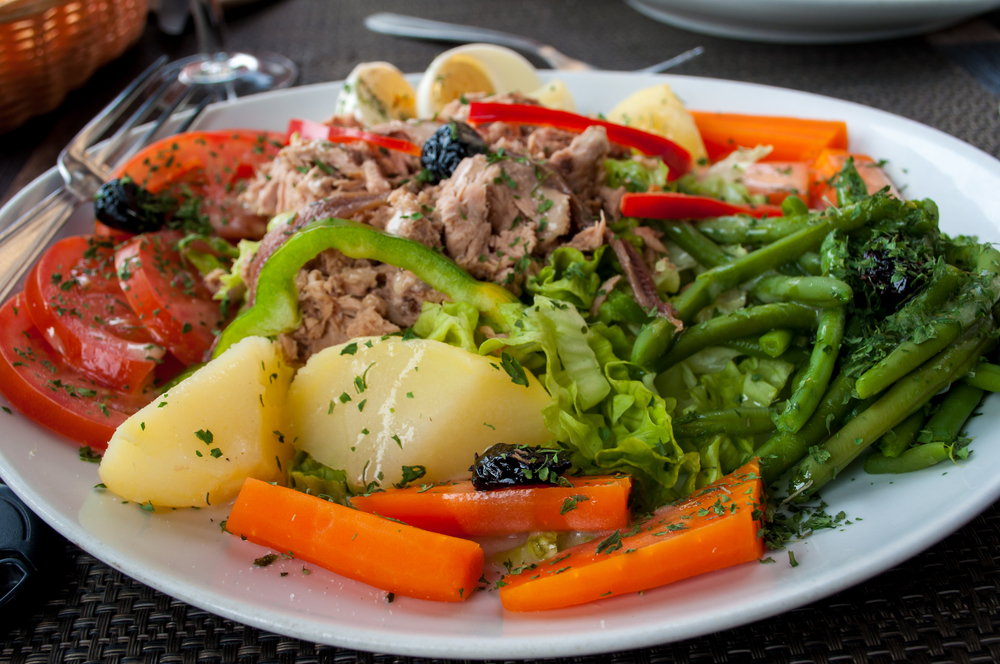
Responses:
[589,238]
[307,171]
[341,299]
[343,205]
[651,237]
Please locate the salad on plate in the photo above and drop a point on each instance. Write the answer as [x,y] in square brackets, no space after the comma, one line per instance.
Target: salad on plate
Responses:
[558,355]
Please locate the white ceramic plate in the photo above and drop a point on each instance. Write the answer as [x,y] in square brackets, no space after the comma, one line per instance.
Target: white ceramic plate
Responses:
[184,553]
[812,21]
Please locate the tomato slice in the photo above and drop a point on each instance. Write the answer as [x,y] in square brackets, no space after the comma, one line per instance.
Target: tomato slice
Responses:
[38,382]
[170,300]
[213,165]
[75,301]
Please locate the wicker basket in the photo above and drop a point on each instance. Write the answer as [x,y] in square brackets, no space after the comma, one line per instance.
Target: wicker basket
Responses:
[49,47]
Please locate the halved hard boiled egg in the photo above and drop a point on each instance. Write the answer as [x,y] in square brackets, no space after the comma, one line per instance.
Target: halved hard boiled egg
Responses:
[474,68]
[376,92]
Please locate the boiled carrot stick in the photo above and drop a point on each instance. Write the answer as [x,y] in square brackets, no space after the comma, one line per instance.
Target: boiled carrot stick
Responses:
[386,554]
[793,139]
[456,508]
[714,528]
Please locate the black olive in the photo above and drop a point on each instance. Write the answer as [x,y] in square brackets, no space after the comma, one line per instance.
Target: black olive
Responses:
[506,465]
[124,205]
[448,146]
[887,281]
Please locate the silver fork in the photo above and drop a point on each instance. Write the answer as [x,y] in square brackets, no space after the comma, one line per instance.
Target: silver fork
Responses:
[85,168]
[398,25]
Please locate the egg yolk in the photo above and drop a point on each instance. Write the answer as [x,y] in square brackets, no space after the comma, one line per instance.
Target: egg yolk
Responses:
[458,75]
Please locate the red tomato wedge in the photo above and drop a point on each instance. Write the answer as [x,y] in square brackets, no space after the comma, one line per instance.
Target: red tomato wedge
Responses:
[170,300]
[715,527]
[456,508]
[830,162]
[317,130]
[39,383]
[213,165]
[673,205]
[777,180]
[75,301]
[793,139]
[674,156]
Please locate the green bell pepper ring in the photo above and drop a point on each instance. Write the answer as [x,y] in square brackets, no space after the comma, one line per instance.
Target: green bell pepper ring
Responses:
[276,306]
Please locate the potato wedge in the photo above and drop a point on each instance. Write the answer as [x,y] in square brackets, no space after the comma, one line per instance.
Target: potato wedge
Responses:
[369,411]
[196,444]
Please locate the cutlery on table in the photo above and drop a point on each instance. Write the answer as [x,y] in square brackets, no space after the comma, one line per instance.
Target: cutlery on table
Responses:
[84,167]
[399,25]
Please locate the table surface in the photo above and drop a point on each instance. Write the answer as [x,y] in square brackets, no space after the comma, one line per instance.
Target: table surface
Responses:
[943,605]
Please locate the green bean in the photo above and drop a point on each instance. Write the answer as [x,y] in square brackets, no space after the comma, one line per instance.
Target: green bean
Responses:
[823,292]
[956,408]
[739,421]
[924,305]
[748,230]
[905,397]
[740,323]
[776,342]
[712,283]
[783,449]
[750,346]
[651,341]
[917,458]
[909,355]
[985,376]
[811,263]
[897,440]
[693,241]
[809,392]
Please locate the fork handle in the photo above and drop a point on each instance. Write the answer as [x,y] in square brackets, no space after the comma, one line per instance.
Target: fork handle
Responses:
[24,241]
[398,25]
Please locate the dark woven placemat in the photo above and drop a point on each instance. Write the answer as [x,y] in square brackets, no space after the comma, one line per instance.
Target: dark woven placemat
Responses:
[941,606]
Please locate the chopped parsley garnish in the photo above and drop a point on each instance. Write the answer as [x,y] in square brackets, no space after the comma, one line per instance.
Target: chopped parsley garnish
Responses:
[513,369]
[264,561]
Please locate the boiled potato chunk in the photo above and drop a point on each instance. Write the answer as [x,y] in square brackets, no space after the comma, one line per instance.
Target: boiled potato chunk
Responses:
[555,94]
[369,411]
[196,444]
[659,111]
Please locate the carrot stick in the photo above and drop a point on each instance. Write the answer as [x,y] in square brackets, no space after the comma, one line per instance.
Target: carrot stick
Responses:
[456,508]
[386,554]
[793,139]
[712,529]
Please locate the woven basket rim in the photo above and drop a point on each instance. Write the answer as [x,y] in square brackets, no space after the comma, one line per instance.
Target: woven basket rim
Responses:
[15,10]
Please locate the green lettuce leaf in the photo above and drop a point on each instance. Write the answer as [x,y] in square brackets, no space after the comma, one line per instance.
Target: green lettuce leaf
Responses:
[233,287]
[604,410]
[569,276]
[310,476]
[633,175]
[453,323]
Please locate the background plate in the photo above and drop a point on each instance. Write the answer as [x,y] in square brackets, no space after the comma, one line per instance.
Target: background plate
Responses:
[812,21]
[184,553]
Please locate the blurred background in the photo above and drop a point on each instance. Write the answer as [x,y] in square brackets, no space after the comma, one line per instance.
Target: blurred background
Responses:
[326,39]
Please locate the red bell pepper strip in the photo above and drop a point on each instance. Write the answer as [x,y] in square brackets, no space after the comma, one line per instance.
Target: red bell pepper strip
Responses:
[669,205]
[457,509]
[674,156]
[317,130]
